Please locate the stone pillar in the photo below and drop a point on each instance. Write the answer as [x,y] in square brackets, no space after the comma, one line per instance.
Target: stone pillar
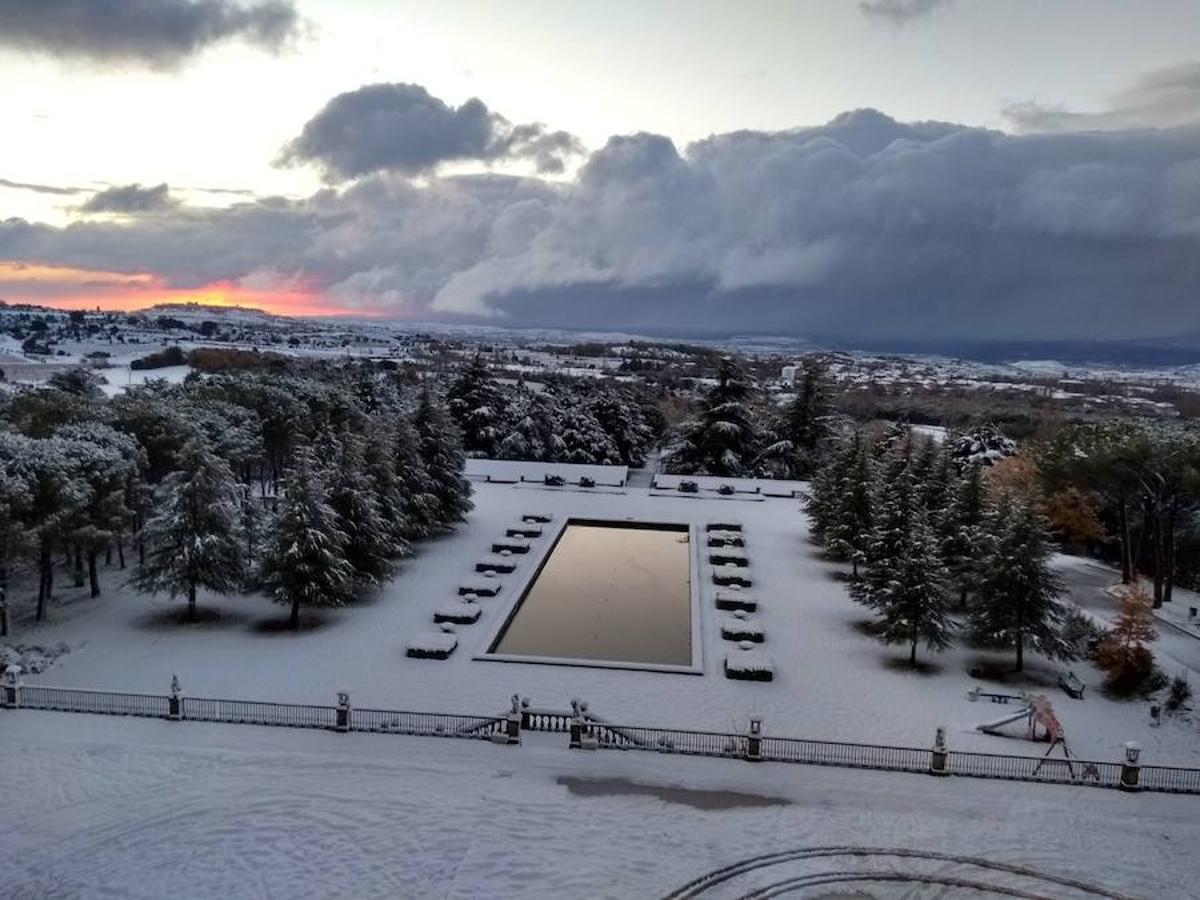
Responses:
[512,723]
[342,721]
[1131,768]
[937,759]
[12,687]
[576,726]
[175,700]
[754,741]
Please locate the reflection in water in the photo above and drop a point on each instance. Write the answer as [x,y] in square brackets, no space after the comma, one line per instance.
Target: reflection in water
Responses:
[609,592]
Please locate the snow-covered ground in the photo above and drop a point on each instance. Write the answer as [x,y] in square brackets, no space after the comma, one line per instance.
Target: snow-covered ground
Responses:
[100,807]
[831,680]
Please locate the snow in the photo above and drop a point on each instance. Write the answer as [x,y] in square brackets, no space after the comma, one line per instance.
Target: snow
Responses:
[459,612]
[496,562]
[713,483]
[486,587]
[735,600]
[137,809]
[731,575]
[503,470]
[832,681]
[748,664]
[735,629]
[432,644]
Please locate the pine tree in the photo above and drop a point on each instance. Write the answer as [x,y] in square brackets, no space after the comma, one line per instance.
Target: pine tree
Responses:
[477,406]
[961,529]
[809,417]
[850,529]
[305,562]
[1015,602]
[370,547]
[441,451]
[195,539]
[1123,654]
[905,581]
[723,438]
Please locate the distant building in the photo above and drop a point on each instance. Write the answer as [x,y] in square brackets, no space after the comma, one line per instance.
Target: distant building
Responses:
[787,375]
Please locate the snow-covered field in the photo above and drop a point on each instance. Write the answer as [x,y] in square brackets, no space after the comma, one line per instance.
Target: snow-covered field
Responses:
[831,680]
[97,807]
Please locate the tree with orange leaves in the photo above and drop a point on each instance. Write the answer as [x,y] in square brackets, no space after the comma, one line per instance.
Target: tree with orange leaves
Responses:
[1123,653]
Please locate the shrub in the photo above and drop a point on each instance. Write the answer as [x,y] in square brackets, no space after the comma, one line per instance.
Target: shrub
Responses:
[725,490]
[555,481]
[1178,695]
[1082,633]
[587,482]
[1123,654]
[689,487]
[171,356]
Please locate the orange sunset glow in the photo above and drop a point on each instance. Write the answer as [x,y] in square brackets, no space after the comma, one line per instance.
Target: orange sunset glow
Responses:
[65,287]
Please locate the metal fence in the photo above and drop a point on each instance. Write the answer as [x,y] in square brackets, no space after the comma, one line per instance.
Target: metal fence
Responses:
[590,731]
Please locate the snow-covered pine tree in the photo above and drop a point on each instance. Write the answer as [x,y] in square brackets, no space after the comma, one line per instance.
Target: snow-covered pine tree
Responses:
[304,562]
[1015,591]
[723,438]
[370,544]
[420,504]
[256,525]
[194,541]
[622,419]
[961,529]
[477,406]
[905,582]
[441,451]
[850,530]
[823,501]
[808,419]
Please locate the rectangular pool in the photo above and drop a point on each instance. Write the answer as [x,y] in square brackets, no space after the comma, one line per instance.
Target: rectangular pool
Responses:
[614,592]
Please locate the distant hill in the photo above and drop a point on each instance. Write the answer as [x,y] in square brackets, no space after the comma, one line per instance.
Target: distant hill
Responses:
[205,311]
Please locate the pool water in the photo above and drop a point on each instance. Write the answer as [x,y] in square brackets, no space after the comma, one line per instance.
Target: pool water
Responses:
[613,592]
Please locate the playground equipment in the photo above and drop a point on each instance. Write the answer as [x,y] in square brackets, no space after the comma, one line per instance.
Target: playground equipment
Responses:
[1036,712]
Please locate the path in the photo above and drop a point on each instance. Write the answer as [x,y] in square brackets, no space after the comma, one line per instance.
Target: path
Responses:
[1086,581]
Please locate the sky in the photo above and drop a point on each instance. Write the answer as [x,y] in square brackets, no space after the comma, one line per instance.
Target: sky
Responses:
[886,168]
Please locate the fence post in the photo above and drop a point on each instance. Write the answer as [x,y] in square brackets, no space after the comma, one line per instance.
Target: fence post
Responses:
[754,741]
[12,687]
[512,723]
[576,726]
[1130,767]
[175,700]
[342,721]
[937,759]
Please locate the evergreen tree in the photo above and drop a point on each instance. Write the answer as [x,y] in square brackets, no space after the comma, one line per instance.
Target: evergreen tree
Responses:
[622,419]
[195,539]
[961,529]
[255,523]
[477,406]
[441,451]
[419,506]
[1015,603]
[809,417]
[850,530]
[370,546]
[722,439]
[905,581]
[305,562]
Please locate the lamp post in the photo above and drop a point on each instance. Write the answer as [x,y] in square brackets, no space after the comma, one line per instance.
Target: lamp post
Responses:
[1131,767]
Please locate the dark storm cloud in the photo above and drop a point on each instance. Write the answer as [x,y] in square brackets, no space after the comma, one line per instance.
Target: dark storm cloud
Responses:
[130,198]
[155,33]
[899,13]
[39,188]
[1165,98]
[403,128]
[860,228]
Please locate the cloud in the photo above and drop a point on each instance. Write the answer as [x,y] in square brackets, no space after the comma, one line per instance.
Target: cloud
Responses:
[899,13]
[1164,98]
[403,128]
[861,228]
[39,188]
[131,199]
[159,34]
